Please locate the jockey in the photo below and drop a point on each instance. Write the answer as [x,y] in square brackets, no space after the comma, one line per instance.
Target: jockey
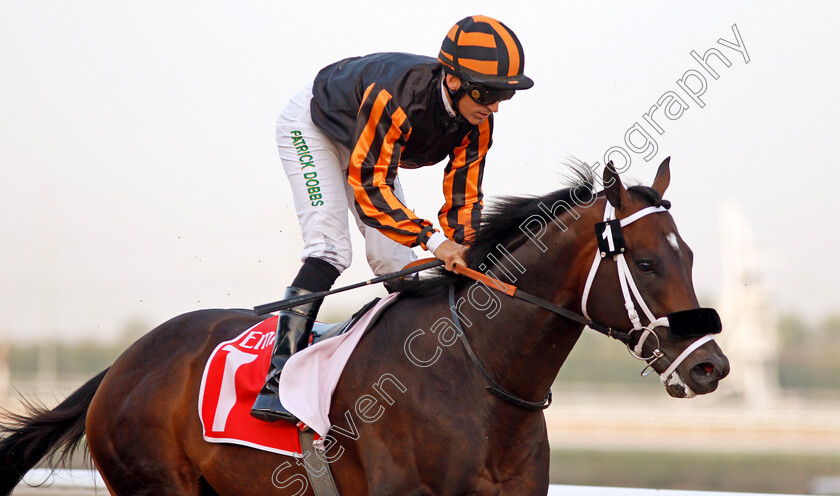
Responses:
[342,140]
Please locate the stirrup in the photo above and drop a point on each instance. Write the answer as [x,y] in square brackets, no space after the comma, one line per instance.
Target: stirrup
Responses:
[272,412]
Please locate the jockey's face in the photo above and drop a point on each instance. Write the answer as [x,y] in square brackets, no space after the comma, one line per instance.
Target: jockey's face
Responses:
[474,112]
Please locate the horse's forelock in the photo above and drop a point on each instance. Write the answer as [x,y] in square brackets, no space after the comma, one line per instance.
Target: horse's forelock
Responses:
[650,195]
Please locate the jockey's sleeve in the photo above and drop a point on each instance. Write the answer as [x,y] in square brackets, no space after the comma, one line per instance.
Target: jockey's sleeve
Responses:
[382,129]
[462,184]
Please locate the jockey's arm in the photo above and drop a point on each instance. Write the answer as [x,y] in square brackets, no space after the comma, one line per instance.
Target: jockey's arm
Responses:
[462,179]
[382,129]
[376,202]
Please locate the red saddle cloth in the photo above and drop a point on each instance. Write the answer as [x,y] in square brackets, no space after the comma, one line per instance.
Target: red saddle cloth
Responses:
[233,376]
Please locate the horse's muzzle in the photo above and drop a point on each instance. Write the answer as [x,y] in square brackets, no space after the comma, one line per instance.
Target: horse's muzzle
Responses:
[704,376]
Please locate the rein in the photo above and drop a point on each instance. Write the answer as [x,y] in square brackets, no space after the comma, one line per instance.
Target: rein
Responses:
[494,386]
[511,290]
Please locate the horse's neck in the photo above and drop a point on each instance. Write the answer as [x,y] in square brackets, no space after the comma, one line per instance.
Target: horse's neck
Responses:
[523,345]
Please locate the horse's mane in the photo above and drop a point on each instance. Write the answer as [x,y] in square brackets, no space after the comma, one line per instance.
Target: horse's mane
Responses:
[500,225]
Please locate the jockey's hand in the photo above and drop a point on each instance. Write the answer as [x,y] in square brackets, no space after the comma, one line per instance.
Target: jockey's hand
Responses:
[451,253]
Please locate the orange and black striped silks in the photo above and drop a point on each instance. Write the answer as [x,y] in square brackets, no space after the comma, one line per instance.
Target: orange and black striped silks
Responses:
[462,184]
[382,130]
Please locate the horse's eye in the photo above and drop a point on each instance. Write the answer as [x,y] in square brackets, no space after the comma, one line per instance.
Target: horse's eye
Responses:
[645,266]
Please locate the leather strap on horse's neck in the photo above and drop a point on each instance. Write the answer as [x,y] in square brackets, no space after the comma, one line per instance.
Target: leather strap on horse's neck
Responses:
[494,386]
[511,290]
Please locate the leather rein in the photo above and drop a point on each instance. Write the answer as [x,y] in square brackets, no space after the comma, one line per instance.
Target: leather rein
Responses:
[511,290]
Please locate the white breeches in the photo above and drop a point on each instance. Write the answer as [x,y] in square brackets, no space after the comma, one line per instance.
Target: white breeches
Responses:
[317,170]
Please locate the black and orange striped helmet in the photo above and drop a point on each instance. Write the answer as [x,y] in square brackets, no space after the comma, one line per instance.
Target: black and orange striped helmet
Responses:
[482,50]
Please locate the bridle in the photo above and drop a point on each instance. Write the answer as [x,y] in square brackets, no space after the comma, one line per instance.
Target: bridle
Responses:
[610,242]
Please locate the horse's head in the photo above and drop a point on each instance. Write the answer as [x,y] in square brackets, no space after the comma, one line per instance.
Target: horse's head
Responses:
[641,280]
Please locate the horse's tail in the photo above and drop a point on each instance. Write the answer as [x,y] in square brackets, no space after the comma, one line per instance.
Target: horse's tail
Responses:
[40,432]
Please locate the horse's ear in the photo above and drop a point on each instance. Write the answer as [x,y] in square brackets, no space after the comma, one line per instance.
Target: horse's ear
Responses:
[663,177]
[613,189]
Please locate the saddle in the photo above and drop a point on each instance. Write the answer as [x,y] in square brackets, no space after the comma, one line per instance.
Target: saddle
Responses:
[235,372]
[322,331]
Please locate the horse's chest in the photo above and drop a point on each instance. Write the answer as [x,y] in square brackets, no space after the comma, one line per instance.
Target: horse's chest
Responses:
[465,469]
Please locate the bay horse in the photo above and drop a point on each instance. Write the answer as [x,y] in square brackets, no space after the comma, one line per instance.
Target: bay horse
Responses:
[441,433]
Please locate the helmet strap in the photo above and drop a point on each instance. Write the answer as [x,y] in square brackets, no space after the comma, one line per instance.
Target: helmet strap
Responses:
[455,95]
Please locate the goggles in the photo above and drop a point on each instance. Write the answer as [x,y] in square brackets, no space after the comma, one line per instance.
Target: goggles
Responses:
[483,95]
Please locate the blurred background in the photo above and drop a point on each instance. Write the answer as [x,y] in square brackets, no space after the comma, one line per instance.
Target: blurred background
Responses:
[139,180]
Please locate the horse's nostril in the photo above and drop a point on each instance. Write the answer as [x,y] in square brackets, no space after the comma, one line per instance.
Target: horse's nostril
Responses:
[703,372]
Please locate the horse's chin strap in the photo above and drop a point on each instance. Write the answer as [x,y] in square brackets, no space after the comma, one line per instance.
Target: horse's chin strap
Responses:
[629,290]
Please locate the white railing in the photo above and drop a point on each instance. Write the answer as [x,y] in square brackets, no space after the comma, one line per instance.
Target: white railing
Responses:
[64,479]
[90,479]
[556,490]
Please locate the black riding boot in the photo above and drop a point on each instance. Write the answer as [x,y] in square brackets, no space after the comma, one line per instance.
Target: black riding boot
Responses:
[293,329]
